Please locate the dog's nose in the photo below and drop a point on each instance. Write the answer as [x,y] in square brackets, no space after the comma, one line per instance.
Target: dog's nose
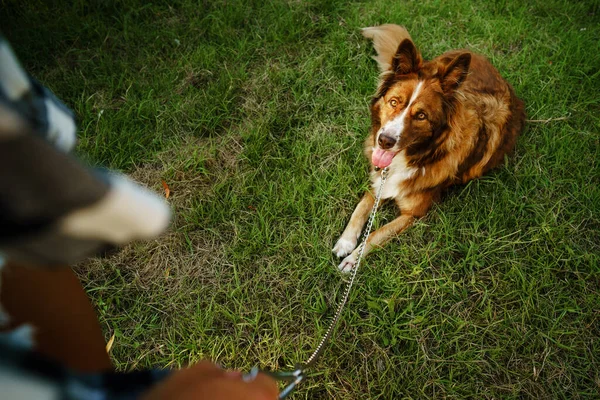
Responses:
[385,141]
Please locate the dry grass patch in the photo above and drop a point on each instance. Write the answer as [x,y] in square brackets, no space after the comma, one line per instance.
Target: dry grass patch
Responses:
[187,252]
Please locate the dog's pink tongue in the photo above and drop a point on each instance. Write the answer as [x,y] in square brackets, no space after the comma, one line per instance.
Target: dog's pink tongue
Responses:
[382,158]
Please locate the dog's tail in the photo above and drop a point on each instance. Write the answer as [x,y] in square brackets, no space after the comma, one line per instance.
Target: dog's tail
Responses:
[386,39]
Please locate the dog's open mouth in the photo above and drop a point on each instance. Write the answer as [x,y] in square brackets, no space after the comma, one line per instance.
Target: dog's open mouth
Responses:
[382,158]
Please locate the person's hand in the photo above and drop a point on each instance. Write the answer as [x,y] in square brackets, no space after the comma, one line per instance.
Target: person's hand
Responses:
[206,381]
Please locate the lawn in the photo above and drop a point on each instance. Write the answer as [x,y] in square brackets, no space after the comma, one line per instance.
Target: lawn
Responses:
[254,114]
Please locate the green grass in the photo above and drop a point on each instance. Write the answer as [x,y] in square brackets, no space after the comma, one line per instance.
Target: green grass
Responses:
[254,113]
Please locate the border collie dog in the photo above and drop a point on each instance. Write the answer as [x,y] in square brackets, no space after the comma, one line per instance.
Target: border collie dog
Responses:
[433,124]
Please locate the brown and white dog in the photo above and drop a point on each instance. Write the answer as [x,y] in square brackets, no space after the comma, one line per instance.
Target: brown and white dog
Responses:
[434,124]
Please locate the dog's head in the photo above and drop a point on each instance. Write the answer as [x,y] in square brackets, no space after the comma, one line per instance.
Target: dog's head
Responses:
[414,101]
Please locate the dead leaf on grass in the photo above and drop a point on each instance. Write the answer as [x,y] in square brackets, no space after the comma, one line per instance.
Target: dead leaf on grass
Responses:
[109,345]
[167,190]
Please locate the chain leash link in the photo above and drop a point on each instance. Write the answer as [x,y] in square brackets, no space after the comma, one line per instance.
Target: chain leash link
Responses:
[298,375]
[315,355]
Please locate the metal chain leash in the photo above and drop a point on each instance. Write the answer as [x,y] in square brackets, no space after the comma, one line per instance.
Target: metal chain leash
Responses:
[317,353]
[296,376]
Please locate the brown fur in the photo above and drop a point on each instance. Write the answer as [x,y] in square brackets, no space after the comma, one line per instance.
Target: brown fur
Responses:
[472,118]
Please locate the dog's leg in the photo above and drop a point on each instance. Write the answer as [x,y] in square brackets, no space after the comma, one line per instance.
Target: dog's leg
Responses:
[349,238]
[377,239]
[412,207]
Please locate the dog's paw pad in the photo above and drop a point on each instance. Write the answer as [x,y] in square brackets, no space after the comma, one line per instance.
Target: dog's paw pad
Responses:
[347,264]
[344,247]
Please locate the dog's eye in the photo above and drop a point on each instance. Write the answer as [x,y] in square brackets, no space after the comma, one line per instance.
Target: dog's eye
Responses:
[420,116]
[394,103]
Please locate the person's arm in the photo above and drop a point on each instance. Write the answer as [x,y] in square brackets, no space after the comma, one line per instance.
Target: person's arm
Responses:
[206,381]
[52,301]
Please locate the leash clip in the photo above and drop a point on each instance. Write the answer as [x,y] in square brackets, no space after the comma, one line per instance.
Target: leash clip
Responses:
[292,377]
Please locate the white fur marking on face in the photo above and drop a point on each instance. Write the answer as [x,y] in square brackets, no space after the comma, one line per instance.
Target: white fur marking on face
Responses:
[396,126]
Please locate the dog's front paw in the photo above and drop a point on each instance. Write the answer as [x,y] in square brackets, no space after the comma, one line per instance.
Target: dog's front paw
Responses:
[343,247]
[348,264]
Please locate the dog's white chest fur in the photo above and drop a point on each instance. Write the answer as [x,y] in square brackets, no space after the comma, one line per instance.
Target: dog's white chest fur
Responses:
[398,172]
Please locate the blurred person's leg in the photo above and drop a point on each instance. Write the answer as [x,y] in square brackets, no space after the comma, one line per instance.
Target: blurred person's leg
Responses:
[53,301]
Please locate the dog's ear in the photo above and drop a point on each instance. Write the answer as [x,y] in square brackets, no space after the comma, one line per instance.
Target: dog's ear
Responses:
[386,39]
[454,73]
[407,58]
